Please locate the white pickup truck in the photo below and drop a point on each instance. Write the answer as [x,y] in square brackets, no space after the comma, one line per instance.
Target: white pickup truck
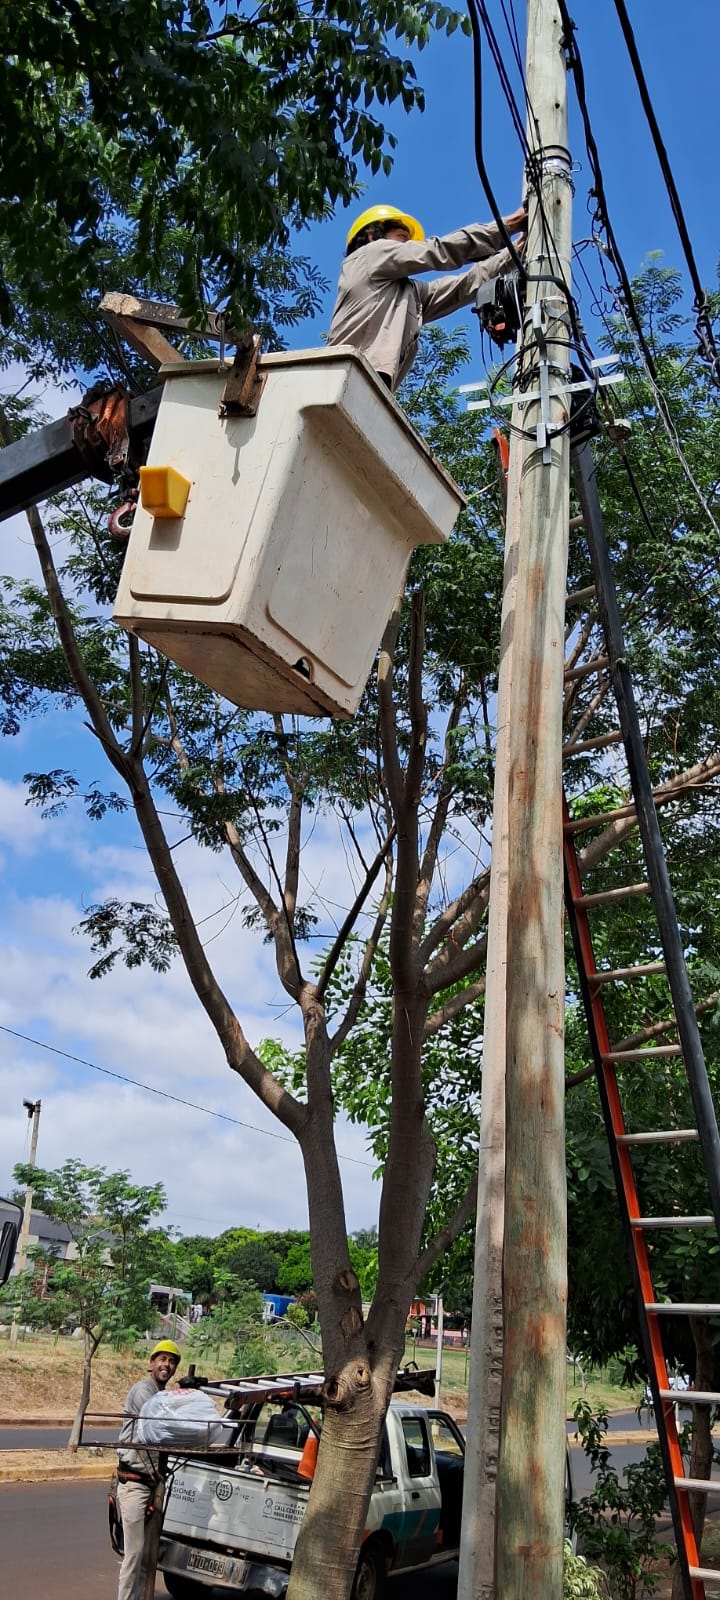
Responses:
[231,1524]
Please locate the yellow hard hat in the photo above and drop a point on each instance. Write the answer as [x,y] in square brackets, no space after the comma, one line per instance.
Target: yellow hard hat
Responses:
[165,1347]
[385,214]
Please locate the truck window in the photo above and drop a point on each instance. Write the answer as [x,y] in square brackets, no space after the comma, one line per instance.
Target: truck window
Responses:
[445,1437]
[417,1446]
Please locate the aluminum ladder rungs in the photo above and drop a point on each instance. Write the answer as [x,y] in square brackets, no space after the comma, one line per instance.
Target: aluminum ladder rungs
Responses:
[574,674]
[691,1397]
[606,897]
[677,1308]
[598,743]
[705,1574]
[659,1051]
[704,1486]
[672,1222]
[663,1136]
[625,974]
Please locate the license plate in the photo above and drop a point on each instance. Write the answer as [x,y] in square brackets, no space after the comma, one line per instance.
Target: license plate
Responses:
[216,1566]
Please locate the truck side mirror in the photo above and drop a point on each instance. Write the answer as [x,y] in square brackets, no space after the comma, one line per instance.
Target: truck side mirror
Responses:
[8,1246]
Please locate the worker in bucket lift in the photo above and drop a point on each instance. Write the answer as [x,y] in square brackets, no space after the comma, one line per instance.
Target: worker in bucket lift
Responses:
[381,308]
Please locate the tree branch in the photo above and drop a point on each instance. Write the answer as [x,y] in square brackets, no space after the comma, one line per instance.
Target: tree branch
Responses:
[456,910]
[346,927]
[450,1232]
[417,707]
[286,960]
[240,1057]
[635,1040]
[461,965]
[437,826]
[292,855]
[137,696]
[673,789]
[386,707]
[358,995]
[86,689]
[453,1007]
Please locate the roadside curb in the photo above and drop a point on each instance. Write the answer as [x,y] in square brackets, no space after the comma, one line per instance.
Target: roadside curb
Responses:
[68,1470]
[54,1419]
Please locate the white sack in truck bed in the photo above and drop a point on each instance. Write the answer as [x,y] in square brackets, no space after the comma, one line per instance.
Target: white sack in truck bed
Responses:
[179,1420]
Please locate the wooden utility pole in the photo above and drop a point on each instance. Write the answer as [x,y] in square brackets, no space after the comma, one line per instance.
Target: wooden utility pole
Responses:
[512,1535]
[531,1470]
[477,1544]
[33,1110]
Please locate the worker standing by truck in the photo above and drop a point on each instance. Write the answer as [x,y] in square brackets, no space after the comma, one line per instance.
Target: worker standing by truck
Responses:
[136,1482]
[381,308]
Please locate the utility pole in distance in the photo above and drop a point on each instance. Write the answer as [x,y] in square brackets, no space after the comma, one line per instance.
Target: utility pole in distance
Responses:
[531,1468]
[33,1110]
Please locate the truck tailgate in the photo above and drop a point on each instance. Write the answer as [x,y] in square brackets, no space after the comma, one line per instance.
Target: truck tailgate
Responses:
[235,1509]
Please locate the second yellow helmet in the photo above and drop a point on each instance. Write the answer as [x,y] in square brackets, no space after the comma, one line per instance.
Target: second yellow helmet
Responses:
[385,214]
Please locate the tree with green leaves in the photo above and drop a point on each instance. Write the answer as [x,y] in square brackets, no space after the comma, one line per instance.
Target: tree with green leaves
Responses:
[391,1012]
[101,1285]
[410,780]
[173,148]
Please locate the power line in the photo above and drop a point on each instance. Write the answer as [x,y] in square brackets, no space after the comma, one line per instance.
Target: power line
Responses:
[165,1094]
[480,19]
[703,326]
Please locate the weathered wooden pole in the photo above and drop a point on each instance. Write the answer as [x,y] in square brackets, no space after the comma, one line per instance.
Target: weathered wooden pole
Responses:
[477,1543]
[530,1492]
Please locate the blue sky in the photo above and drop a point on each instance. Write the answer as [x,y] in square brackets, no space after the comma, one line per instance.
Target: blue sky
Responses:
[151,1028]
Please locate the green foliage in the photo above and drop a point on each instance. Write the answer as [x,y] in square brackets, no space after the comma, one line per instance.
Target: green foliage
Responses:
[296,1274]
[102,1286]
[168,147]
[617,1521]
[581,1582]
[235,1332]
[131,930]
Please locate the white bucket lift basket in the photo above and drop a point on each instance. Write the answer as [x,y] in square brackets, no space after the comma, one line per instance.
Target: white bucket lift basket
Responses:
[275,585]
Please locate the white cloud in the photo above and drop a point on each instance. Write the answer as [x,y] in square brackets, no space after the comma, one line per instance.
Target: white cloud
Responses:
[151,1028]
[21,829]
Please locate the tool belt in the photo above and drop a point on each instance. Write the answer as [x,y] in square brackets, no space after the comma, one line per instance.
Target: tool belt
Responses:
[128,1474]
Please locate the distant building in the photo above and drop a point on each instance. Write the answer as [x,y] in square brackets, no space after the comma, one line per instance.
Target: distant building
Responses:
[55,1237]
[275,1305]
[167,1300]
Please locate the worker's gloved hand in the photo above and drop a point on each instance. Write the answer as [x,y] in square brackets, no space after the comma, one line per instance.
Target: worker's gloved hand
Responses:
[517,221]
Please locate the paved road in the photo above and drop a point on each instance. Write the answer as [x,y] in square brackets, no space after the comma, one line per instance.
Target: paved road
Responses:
[12,1438]
[54,1544]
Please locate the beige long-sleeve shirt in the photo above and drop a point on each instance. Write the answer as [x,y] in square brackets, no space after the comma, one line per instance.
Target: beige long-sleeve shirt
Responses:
[380,308]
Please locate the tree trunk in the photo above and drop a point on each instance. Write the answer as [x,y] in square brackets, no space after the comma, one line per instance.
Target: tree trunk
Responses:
[360,1358]
[90,1346]
[328,1546]
[701,1455]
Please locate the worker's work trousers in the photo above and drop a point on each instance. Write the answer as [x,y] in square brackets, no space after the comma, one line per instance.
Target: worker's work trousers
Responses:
[133,1500]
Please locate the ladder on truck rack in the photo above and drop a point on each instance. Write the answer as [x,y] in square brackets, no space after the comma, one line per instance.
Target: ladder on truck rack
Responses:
[606,671]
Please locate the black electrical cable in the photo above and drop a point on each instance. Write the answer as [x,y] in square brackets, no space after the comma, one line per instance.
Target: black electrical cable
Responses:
[689,583]
[477,11]
[164,1094]
[704,328]
[576,67]
[479,155]
[503,76]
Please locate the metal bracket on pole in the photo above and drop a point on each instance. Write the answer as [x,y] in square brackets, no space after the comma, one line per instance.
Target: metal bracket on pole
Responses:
[601,380]
[545,427]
